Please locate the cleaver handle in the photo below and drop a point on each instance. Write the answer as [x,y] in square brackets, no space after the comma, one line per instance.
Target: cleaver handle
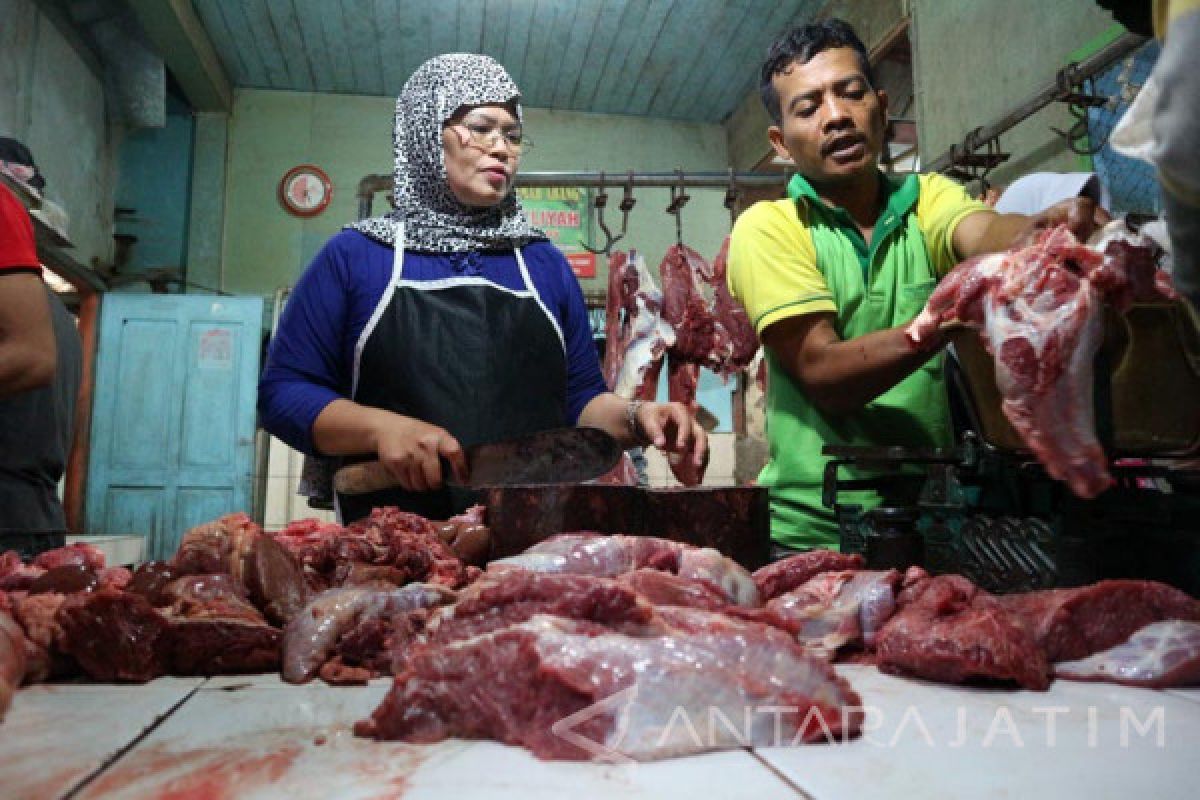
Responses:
[363,478]
[372,476]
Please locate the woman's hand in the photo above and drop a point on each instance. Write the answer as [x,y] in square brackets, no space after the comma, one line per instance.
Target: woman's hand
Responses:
[673,429]
[413,450]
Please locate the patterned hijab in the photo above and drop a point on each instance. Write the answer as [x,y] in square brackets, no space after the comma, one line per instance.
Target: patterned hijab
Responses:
[434,220]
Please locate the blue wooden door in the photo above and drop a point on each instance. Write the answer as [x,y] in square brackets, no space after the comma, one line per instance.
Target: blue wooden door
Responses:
[173,421]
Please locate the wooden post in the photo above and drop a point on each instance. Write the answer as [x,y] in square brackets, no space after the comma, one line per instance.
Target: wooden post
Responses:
[77,462]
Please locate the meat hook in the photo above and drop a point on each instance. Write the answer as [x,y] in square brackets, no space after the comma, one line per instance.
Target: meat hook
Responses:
[599,202]
[731,198]
[679,198]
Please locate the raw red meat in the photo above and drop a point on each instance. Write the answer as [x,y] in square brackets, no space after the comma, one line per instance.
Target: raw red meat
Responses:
[1160,655]
[519,685]
[1039,310]
[514,596]
[951,631]
[664,589]
[835,610]
[1074,623]
[78,554]
[796,570]
[115,636]
[312,635]
[611,555]
[731,316]
[698,338]
[12,660]
[636,335]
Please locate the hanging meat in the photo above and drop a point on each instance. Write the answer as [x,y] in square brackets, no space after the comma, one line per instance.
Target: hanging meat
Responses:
[637,333]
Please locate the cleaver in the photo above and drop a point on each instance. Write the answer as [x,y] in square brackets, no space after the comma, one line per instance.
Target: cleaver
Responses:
[560,455]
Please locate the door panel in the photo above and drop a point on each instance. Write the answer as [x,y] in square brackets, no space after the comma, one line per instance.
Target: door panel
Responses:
[130,509]
[173,430]
[143,391]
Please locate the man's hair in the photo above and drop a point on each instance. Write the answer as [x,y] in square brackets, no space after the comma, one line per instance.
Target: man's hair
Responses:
[802,44]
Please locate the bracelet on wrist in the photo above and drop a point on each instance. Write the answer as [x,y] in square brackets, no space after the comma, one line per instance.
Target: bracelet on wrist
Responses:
[635,425]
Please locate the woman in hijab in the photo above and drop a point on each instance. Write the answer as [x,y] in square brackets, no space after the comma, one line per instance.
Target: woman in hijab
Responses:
[449,321]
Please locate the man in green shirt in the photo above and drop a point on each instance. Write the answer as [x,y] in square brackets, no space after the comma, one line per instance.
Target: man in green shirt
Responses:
[831,276]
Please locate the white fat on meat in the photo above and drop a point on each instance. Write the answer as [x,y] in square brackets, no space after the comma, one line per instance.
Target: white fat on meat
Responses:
[1160,655]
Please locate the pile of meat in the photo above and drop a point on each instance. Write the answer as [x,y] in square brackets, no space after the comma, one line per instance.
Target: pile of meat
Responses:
[692,322]
[220,605]
[1039,312]
[585,646]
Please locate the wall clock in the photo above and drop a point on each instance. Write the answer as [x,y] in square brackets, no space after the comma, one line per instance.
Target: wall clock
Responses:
[305,190]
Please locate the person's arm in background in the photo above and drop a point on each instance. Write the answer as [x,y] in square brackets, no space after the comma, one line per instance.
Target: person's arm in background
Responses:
[27,350]
[300,394]
[1176,127]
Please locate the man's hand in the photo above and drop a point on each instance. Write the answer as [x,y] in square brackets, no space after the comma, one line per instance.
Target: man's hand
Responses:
[1082,216]
[412,451]
[671,428]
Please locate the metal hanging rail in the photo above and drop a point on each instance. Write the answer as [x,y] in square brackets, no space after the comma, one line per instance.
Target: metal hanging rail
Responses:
[1061,88]
[371,184]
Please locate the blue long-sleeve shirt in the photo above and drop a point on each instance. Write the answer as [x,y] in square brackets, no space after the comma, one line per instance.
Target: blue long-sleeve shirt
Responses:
[311,358]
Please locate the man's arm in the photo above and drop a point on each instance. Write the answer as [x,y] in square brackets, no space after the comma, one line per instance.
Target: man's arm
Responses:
[27,350]
[841,376]
[990,232]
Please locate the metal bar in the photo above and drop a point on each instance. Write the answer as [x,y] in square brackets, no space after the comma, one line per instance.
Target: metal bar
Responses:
[1056,89]
[371,184]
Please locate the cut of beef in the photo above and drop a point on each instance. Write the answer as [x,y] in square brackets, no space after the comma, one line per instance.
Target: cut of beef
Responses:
[636,336]
[45,653]
[520,684]
[835,610]
[312,635]
[274,580]
[1071,624]
[604,555]
[951,631]
[115,636]
[78,555]
[1039,308]
[707,565]
[1160,655]
[149,580]
[216,546]
[698,338]
[796,570]
[514,596]
[214,646]
[664,589]
[207,597]
[12,660]
[732,317]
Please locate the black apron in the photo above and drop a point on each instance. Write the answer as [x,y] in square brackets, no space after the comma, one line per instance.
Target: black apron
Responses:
[480,360]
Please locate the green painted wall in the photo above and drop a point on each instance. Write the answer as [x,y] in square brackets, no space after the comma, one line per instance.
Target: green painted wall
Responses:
[975,59]
[53,101]
[269,132]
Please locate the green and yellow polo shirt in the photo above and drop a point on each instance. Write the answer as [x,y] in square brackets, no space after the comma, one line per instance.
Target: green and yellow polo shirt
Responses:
[799,256]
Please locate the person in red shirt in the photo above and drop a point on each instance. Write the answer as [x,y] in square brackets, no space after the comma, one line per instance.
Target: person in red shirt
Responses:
[27,349]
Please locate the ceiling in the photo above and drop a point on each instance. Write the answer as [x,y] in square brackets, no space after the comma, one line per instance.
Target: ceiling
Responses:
[681,59]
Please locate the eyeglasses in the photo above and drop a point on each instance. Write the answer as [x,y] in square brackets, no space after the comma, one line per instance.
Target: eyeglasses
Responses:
[484,133]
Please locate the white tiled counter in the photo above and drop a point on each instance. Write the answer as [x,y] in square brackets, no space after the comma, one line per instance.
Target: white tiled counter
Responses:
[256,737]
